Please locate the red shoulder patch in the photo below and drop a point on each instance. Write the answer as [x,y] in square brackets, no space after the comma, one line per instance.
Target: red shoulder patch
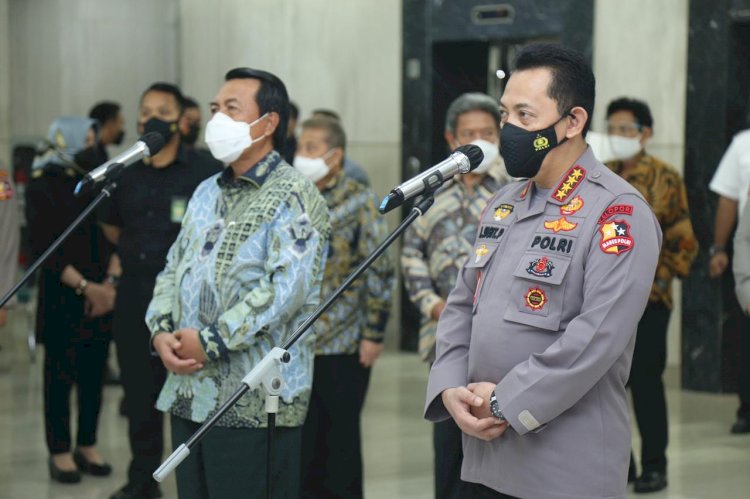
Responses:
[617,209]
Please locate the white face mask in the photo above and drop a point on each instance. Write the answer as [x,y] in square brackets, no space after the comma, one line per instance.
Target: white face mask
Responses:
[313,168]
[625,147]
[491,152]
[227,139]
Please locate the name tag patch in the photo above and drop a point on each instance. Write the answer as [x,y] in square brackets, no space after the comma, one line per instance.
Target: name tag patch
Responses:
[491,232]
[553,243]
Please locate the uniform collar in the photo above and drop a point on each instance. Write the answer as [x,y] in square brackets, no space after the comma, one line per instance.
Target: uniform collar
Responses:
[256,175]
[565,188]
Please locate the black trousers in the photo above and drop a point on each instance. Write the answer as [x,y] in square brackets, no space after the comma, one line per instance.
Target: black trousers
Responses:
[80,363]
[449,454]
[230,463]
[142,376]
[478,491]
[647,386]
[331,437]
[743,385]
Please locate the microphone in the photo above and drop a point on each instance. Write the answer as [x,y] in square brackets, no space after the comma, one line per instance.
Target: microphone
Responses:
[148,145]
[463,160]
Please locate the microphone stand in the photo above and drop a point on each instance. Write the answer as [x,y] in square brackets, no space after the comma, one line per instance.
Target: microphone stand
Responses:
[267,372]
[106,192]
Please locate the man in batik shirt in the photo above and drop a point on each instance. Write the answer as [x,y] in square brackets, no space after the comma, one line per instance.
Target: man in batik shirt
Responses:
[630,126]
[437,245]
[243,273]
[349,337]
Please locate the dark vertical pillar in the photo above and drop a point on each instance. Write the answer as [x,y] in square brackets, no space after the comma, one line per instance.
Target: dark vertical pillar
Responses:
[717,99]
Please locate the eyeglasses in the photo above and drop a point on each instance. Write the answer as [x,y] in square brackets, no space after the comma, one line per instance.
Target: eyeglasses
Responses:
[624,129]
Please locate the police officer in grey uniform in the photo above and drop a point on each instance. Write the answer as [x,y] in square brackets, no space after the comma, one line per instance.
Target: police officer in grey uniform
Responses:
[535,344]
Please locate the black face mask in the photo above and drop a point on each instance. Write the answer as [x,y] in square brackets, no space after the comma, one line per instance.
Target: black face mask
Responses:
[118,138]
[88,159]
[524,151]
[164,128]
[191,137]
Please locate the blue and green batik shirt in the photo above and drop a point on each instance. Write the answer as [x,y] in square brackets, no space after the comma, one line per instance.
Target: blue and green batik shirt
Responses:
[245,271]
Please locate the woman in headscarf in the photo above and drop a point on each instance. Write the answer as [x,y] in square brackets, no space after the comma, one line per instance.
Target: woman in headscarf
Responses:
[74,298]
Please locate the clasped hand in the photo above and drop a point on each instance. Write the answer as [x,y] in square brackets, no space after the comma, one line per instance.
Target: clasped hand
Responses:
[181,351]
[469,407]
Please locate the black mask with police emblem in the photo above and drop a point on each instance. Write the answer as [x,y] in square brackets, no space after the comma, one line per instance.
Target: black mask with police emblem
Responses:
[524,151]
[164,128]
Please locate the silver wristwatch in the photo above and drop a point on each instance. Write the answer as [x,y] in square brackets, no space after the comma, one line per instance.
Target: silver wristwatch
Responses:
[495,408]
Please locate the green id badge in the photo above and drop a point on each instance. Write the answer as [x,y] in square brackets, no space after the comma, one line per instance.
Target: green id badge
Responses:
[179,204]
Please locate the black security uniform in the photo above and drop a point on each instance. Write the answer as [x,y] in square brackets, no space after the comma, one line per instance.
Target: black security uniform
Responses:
[148,207]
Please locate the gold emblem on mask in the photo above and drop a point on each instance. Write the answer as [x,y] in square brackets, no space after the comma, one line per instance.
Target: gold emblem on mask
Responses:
[540,143]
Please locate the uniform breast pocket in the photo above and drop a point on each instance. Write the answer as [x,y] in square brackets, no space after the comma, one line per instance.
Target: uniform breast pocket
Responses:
[478,261]
[537,291]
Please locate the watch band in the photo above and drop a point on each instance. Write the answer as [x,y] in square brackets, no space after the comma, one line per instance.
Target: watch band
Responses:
[715,249]
[495,408]
[82,287]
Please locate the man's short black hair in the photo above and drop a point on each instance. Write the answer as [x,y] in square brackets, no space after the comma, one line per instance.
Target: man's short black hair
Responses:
[189,102]
[639,109]
[573,83]
[104,111]
[167,88]
[272,97]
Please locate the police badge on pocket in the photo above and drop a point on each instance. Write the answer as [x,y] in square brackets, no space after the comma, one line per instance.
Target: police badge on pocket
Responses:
[177,212]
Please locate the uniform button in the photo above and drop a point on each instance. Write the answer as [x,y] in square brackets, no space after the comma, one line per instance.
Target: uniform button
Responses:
[596,174]
[150,213]
[142,256]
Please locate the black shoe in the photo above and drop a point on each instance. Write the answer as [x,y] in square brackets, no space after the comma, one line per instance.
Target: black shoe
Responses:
[91,468]
[61,476]
[650,481]
[149,490]
[742,425]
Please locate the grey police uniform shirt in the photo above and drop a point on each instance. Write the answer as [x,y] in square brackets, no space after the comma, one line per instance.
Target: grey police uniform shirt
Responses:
[547,308]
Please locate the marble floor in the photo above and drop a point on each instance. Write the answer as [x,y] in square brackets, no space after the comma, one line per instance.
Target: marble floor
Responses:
[705,460]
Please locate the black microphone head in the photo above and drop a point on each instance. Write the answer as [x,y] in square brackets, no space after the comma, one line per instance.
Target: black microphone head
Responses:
[154,141]
[473,152]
